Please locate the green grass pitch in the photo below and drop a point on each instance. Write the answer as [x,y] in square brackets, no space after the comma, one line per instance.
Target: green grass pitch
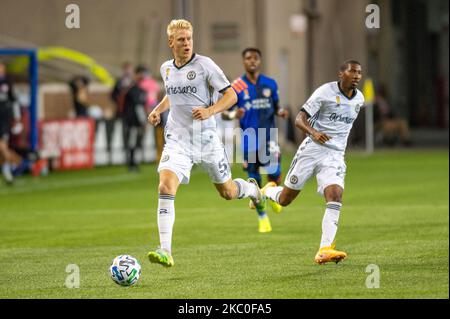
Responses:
[395,215]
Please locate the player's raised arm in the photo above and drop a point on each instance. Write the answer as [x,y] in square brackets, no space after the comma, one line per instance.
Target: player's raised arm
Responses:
[155,116]
[302,123]
[228,99]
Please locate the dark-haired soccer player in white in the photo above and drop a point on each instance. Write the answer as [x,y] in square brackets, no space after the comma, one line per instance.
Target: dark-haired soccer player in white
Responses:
[327,118]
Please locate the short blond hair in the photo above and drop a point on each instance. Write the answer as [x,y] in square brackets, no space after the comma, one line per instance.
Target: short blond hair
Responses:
[176,25]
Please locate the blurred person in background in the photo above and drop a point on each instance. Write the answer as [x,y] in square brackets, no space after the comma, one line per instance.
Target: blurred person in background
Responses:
[388,122]
[151,86]
[9,123]
[79,87]
[134,118]
[24,157]
[121,87]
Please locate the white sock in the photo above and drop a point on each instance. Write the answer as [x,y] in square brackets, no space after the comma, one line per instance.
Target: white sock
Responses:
[7,171]
[273,192]
[246,189]
[330,223]
[6,167]
[166,219]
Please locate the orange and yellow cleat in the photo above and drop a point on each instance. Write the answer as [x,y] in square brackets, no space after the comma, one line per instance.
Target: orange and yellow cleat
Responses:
[327,254]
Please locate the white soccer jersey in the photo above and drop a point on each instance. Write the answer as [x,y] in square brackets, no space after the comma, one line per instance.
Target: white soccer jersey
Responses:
[192,85]
[333,113]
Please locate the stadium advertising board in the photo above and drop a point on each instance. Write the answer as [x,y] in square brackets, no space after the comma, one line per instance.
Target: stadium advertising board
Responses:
[68,143]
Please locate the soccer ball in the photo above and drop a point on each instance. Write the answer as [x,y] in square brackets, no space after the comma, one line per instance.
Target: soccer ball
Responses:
[125,270]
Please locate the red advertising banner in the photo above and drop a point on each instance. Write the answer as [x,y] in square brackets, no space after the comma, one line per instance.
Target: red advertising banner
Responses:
[69,144]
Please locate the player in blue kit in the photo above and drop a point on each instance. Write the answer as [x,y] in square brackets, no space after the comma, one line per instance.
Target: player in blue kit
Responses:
[257,106]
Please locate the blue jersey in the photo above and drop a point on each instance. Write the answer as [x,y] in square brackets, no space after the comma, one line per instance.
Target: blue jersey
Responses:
[260,102]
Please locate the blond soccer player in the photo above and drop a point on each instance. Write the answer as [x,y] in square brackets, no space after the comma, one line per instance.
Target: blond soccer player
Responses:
[192,83]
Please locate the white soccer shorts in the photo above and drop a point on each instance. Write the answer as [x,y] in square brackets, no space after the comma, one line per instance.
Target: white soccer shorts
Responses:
[312,159]
[179,157]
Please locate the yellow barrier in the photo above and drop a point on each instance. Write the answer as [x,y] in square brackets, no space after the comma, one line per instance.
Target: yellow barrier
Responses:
[20,64]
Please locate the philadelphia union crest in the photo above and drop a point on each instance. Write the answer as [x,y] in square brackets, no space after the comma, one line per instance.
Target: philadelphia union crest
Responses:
[293,179]
[191,75]
[165,158]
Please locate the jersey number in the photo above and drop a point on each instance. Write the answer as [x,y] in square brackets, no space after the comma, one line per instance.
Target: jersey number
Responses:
[223,167]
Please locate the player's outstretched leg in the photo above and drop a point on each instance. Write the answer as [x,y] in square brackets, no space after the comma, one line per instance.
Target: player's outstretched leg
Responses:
[276,207]
[281,196]
[273,179]
[253,175]
[327,251]
[272,192]
[257,197]
[238,189]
